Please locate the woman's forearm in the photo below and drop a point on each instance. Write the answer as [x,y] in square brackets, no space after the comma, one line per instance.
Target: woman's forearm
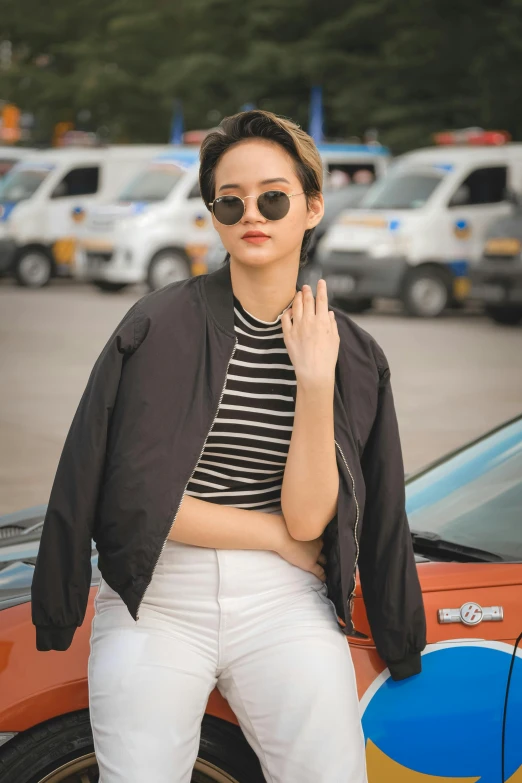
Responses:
[311,479]
[205,524]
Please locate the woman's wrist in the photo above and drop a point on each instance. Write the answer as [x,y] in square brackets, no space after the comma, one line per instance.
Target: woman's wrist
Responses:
[276,533]
[315,386]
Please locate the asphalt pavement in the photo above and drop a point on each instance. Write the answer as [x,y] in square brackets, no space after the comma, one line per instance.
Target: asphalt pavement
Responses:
[453,378]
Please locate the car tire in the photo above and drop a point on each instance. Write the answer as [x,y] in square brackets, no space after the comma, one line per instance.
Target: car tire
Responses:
[109,287]
[426,292]
[33,268]
[505,315]
[167,266]
[62,751]
[353,305]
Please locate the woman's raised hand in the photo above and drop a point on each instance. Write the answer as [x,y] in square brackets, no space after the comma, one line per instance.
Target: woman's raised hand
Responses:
[311,336]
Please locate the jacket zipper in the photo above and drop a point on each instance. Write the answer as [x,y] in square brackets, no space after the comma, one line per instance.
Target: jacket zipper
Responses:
[193,471]
[352,594]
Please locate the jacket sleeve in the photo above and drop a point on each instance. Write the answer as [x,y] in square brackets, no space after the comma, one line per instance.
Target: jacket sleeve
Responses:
[389,580]
[62,574]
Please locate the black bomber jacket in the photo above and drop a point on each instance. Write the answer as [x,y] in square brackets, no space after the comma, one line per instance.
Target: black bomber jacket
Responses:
[135,441]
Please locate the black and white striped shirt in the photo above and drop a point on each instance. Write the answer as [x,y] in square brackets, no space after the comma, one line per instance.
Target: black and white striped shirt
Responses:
[244,457]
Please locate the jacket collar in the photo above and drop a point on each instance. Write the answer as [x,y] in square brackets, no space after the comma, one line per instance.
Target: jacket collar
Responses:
[219,293]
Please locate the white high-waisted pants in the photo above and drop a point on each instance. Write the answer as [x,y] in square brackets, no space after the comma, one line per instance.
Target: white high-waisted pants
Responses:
[260,629]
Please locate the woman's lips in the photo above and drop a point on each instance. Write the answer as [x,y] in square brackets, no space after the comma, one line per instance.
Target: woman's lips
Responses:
[256,240]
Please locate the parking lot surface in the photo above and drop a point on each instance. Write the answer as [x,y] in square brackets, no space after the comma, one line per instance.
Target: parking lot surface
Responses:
[453,378]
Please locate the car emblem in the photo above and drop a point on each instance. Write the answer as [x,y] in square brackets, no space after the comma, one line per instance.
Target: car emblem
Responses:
[471,614]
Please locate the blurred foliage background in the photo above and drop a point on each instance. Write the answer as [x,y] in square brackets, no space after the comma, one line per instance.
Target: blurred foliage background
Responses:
[405,67]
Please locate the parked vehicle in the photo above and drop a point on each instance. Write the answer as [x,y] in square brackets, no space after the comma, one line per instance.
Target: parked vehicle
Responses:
[10,156]
[152,185]
[446,722]
[497,278]
[335,202]
[419,231]
[151,247]
[44,200]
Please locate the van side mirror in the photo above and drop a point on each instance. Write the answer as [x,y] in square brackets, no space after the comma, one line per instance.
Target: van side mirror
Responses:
[461,197]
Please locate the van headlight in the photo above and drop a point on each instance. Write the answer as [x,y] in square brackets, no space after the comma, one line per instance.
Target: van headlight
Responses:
[397,247]
[383,249]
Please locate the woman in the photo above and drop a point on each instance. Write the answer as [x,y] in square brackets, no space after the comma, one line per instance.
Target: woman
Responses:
[235,456]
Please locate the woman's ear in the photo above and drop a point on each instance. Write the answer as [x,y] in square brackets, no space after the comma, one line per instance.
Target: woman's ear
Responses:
[315,210]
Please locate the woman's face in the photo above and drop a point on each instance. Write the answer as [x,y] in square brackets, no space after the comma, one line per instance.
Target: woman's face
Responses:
[250,168]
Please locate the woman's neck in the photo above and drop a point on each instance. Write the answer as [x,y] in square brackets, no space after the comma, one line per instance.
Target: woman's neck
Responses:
[263,291]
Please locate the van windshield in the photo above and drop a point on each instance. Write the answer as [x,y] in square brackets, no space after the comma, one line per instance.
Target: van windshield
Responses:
[21,183]
[152,184]
[403,190]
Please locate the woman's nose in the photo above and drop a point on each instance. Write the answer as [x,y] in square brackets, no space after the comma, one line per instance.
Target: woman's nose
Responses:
[251,209]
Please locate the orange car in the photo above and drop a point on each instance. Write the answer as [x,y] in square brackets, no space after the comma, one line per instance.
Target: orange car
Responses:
[460,719]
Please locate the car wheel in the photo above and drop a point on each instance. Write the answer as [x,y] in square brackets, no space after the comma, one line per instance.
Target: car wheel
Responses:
[353,305]
[62,751]
[33,269]
[108,287]
[506,315]
[167,266]
[426,292]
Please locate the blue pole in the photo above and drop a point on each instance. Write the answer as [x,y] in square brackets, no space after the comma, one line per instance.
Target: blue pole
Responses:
[316,114]
[176,128]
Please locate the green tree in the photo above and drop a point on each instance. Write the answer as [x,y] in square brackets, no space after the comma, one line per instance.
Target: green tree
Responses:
[407,68]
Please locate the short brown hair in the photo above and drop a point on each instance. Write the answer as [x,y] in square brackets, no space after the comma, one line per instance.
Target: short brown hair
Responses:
[264,125]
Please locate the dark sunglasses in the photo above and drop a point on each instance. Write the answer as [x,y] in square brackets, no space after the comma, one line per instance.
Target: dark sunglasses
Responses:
[273,205]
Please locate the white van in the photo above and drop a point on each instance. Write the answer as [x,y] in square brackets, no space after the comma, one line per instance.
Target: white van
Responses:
[169,241]
[152,185]
[419,229]
[10,156]
[152,247]
[44,200]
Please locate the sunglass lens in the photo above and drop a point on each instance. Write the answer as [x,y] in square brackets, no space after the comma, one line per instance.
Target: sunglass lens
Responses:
[274,204]
[228,210]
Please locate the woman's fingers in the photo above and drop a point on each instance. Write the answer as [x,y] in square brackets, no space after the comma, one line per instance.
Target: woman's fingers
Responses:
[286,321]
[307,305]
[308,301]
[321,298]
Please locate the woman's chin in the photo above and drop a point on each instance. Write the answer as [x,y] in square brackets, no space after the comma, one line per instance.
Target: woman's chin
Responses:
[254,256]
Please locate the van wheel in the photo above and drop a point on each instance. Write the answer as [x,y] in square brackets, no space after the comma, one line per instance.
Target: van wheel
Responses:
[507,315]
[167,266]
[62,751]
[33,268]
[108,287]
[426,292]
